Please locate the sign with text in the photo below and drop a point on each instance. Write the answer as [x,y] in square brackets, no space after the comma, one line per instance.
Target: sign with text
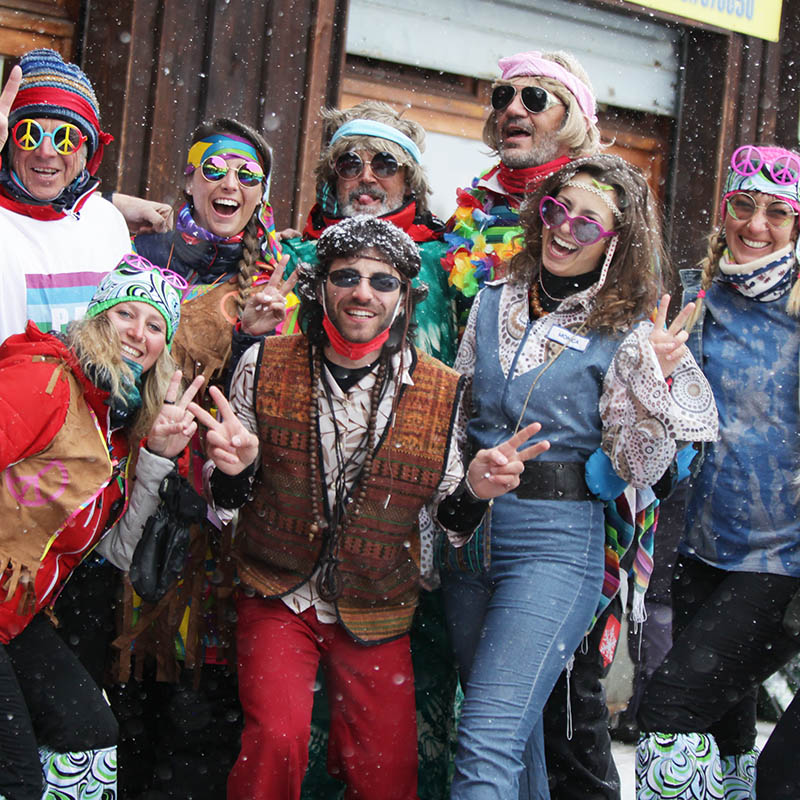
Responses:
[760,18]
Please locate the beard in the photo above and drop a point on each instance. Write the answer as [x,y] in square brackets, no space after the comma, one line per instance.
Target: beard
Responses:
[351,207]
[545,147]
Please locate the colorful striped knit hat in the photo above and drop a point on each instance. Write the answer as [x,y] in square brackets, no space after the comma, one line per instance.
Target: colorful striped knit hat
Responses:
[52,88]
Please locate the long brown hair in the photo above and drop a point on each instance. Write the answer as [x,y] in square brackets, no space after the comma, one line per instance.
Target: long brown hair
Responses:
[638,266]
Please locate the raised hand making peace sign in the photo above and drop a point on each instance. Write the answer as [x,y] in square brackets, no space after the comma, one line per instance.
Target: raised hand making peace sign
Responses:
[174,426]
[670,343]
[6,100]
[265,308]
[496,471]
[228,443]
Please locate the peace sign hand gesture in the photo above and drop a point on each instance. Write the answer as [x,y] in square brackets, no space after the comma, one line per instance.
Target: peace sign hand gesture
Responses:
[669,343]
[174,426]
[266,309]
[229,444]
[7,99]
[494,472]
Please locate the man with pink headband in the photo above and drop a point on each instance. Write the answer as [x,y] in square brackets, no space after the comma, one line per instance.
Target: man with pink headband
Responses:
[543,115]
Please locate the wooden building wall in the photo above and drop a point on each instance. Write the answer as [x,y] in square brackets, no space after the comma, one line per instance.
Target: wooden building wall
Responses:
[160,67]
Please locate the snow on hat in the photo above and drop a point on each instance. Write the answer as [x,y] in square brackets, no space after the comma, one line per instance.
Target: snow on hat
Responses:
[53,88]
[354,235]
[136,280]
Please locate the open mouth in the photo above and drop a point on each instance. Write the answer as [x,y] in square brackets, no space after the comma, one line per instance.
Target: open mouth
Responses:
[131,352]
[561,247]
[225,206]
[359,313]
[754,244]
[514,131]
[47,172]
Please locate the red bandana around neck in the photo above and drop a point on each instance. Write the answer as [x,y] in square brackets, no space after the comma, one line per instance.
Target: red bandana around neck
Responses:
[525,180]
[355,351]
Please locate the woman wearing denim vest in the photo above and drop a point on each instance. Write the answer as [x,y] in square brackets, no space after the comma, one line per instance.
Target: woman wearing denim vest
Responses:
[564,340]
[739,559]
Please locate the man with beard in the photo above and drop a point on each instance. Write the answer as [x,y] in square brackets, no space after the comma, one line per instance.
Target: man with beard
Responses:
[543,115]
[352,426]
[371,166]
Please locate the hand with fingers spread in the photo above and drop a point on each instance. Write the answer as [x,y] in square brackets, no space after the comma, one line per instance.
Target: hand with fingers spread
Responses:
[496,471]
[6,100]
[265,308]
[669,343]
[229,444]
[175,425]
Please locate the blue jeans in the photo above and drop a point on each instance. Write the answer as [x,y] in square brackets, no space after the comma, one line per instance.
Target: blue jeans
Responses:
[513,632]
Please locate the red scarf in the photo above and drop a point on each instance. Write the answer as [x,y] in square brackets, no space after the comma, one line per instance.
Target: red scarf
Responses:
[525,180]
[402,217]
[46,213]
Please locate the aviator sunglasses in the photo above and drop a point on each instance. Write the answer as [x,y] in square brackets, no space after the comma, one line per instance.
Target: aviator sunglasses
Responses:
[349,278]
[215,168]
[66,139]
[350,165]
[584,231]
[534,98]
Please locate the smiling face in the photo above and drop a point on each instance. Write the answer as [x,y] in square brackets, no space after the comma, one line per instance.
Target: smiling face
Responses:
[360,312]
[561,255]
[223,207]
[44,172]
[755,238]
[142,331]
[526,139]
[369,194]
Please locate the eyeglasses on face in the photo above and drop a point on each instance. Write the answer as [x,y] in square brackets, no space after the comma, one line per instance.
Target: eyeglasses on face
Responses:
[742,206]
[66,139]
[350,165]
[215,168]
[584,231]
[534,98]
[379,281]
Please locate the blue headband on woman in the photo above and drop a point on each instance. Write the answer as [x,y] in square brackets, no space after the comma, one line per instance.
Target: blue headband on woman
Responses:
[368,127]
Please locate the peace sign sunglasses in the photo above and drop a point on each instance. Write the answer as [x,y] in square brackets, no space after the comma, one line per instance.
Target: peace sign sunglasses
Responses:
[66,139]
[750,159]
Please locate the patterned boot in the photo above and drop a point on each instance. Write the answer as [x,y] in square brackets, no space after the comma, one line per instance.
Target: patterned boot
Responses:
[739,775]
[91,775]
[678,766]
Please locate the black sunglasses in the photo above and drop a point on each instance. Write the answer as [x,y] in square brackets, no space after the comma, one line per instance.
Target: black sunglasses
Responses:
[534,98]
[380,281]
[350,165]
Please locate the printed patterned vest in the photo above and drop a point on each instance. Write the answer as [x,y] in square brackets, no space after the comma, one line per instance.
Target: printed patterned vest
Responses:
[42,493]
[275,548]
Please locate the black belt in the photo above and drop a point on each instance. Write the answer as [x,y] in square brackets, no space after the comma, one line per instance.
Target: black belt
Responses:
[553,480]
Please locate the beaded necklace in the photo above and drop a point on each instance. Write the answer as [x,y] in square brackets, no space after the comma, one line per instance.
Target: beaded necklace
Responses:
[347,505]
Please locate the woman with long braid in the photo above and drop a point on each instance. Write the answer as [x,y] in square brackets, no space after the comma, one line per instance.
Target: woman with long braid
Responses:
[739,559]
[225,247]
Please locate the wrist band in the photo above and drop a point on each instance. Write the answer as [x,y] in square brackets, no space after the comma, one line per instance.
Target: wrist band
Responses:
[470,491]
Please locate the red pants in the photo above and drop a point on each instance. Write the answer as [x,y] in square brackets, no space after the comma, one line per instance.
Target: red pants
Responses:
[373,731]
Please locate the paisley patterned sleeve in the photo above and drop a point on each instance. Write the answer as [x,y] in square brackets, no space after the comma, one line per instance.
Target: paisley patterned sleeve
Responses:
[643,415]
[465,365]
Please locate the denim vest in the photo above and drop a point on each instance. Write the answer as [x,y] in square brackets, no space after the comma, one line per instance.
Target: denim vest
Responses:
[565,399]
[742,512]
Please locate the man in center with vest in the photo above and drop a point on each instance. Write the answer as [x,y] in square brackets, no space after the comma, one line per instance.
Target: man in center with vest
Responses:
[334,441]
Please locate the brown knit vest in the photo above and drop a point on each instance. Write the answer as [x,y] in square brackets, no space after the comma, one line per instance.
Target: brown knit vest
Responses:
[276,550]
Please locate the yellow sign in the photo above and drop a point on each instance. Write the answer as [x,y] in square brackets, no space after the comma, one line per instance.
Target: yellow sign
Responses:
[760,18]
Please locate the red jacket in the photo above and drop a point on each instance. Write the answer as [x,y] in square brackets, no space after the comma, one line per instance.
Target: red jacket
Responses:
[33,408]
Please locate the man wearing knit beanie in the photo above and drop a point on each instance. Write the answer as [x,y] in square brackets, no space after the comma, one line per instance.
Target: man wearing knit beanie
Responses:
[59,236]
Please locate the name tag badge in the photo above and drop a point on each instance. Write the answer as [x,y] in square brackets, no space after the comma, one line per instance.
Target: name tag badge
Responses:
[563,336]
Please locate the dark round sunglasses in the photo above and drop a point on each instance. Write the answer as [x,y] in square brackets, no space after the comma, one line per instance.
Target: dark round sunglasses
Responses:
[349,278]
[534,98]
[350,165]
